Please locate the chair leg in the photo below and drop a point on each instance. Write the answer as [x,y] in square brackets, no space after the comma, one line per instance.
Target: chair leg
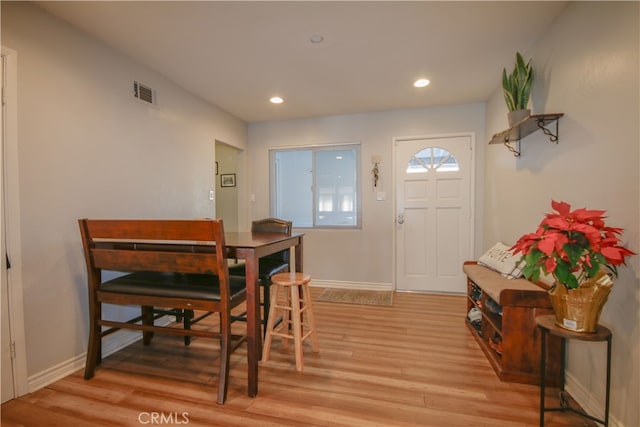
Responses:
[187,316]
[311,319]
[297,326]
[225,356]
[147,319]
[94,349]
[271,318]
[265,308]
[286,318]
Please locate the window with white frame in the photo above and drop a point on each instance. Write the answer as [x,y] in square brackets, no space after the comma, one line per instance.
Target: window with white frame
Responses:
[432,158]
[316,186]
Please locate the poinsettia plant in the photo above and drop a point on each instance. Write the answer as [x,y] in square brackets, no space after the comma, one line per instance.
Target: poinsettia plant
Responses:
[572,246]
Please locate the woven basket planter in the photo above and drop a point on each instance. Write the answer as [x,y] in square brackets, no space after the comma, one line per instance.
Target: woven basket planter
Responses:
[579,309]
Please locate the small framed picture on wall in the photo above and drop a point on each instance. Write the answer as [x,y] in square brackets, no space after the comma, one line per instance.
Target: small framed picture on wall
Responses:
[228,180]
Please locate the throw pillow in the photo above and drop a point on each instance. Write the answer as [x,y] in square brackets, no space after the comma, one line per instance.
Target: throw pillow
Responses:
[499,258]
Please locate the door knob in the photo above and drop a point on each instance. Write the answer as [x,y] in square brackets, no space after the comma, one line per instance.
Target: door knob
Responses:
[401,219]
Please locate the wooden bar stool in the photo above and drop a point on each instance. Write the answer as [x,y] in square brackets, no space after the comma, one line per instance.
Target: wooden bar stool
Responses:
[294,285]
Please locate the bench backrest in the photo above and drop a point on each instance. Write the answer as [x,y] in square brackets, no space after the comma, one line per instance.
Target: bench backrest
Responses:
[180,246]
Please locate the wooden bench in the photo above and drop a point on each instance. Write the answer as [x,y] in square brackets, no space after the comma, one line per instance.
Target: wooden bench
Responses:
[518,302]
[180,264]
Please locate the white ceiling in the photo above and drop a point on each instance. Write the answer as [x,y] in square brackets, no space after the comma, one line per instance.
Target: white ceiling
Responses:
[238,54]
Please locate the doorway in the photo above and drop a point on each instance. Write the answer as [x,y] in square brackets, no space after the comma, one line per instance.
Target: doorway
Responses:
[7,342]
[434,216]
[14,370]
[227,174]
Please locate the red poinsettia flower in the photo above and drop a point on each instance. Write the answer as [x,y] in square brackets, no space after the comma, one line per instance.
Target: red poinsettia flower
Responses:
[571,245]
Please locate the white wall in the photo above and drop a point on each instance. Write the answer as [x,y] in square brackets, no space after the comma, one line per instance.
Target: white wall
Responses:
[87,149]
[362,257]
[586,67]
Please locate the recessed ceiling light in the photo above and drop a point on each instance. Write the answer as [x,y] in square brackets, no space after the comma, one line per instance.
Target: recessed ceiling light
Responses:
[421,83]
[276,100]
[316,38]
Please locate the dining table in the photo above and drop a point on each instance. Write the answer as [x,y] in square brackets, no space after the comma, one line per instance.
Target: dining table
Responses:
[250,247]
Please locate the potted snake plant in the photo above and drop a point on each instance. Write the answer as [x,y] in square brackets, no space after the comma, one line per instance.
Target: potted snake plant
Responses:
[516,87]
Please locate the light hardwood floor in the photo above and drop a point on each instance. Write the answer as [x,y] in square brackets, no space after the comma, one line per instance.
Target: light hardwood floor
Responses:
[413,364]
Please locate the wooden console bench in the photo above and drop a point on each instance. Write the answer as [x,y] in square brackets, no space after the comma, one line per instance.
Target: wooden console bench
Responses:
[506,327]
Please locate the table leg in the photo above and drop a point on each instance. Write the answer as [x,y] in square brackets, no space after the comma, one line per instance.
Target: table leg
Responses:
[543,368]
[254,335]
[547,326]
[606,402]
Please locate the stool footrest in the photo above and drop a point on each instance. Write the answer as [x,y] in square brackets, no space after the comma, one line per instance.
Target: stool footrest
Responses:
[305,336]
[282,335]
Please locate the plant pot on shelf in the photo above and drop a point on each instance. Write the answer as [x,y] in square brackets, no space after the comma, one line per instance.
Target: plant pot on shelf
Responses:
[579,309]
[517,116]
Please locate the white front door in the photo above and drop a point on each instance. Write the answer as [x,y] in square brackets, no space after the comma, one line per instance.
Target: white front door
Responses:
[434,233]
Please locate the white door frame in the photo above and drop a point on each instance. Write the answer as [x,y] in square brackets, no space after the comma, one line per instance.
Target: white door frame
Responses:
[9,170]
[472,185]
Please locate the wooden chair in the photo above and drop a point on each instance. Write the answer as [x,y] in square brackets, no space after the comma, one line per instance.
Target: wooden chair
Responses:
[268,265]
[186,317]
[171,263]
[299,321]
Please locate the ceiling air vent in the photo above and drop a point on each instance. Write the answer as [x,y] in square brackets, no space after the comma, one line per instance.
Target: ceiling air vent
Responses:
[143,93]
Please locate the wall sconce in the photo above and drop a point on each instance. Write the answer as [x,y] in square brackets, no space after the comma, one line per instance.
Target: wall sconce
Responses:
[375,171]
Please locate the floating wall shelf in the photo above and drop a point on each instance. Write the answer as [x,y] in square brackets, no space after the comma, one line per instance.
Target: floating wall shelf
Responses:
[526,127]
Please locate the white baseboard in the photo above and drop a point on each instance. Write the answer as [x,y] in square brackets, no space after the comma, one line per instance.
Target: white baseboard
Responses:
[110,345]
[369,286]
[582,396]
[55,373]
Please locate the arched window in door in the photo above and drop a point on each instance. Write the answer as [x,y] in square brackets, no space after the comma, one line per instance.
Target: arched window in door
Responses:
[432,159]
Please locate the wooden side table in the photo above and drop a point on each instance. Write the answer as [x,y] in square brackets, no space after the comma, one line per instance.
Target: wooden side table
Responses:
[547,325]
